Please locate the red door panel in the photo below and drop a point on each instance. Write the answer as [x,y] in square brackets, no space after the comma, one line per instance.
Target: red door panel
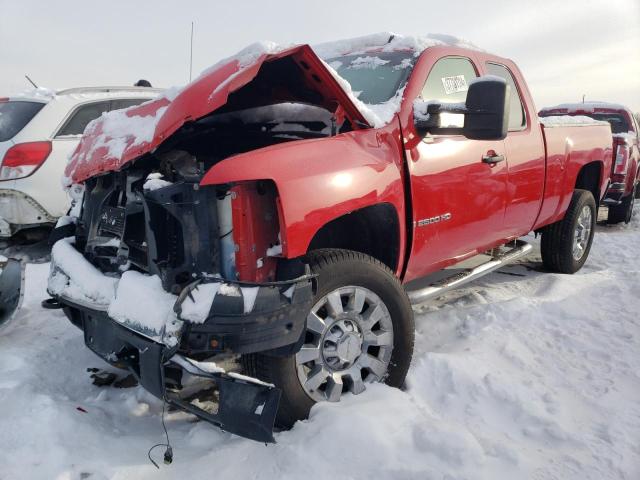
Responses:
[458,201]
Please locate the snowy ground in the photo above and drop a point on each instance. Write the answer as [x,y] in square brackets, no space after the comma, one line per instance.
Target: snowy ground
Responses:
[522,375]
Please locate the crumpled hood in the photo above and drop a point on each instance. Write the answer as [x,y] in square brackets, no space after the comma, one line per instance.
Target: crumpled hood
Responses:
[118,137]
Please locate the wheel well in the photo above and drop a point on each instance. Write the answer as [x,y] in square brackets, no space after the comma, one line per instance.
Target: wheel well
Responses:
[373,230]
[589,179]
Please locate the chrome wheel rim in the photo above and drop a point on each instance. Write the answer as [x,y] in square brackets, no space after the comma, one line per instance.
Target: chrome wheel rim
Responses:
[582,233]
[348,343]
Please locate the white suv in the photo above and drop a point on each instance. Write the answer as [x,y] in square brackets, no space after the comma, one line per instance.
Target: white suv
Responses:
[38,131]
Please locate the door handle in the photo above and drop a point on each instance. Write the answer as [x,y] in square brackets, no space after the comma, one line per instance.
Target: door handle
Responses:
[492,158]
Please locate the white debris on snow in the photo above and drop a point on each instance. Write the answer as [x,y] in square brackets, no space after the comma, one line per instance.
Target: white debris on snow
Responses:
[154,181]
[560,120]
[525,376]
[142,304]
[77,279]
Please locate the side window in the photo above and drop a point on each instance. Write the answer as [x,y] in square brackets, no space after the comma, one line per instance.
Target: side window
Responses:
[82,116]
[517,119]
[448,80]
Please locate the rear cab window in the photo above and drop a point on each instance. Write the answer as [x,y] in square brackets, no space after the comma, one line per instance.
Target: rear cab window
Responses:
[82,115]
[15,115]
[517,117]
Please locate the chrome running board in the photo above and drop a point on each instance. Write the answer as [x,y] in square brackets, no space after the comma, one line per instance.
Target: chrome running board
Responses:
[518,249]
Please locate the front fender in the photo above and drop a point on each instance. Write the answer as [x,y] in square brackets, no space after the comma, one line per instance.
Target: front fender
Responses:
[319,180]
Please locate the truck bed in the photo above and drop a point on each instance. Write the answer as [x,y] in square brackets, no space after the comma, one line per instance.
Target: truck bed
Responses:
[568,147]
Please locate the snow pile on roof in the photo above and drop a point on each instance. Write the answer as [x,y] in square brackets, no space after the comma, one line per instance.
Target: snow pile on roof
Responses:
[585,107]
[560,120]
[73,277]
[388,42]
[41,93]
[142,304]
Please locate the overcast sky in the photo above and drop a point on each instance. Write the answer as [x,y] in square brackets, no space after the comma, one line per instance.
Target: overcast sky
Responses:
[565,48]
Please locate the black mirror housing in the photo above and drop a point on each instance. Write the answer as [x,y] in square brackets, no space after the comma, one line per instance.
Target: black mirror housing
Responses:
[487,105]
[486,112]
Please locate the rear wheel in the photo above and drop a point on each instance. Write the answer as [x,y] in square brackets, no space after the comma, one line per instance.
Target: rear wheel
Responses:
[624,211]
[566,244]
[358,331]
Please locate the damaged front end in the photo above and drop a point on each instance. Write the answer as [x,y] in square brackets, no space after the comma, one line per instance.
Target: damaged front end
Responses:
[165,274]
[142,273]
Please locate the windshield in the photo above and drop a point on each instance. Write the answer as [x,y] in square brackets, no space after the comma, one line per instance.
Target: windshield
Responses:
[618,122]
[15,115]
[374,77]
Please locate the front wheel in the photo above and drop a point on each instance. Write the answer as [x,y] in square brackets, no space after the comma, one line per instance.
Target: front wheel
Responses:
[359,330]
[566,244]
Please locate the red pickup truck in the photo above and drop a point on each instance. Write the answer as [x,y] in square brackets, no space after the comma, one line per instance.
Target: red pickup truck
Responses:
[625,171]
[257,229]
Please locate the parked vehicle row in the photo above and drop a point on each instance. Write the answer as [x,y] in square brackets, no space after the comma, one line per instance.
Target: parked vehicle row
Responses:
[272,233]
[625,170]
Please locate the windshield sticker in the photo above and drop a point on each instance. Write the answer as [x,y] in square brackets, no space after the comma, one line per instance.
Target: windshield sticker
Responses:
[454,84]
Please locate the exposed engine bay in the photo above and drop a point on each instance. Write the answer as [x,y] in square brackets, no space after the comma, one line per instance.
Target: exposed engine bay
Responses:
[153,216]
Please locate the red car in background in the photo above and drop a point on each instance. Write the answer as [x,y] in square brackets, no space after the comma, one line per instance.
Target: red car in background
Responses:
[625,171]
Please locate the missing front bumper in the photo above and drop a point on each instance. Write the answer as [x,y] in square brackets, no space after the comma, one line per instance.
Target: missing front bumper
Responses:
[244,408]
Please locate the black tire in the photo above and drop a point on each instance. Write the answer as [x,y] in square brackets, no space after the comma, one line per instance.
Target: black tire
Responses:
[624,211]
[558,238]
[338,268]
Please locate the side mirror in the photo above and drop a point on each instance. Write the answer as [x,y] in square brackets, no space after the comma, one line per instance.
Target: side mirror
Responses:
[486,112]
